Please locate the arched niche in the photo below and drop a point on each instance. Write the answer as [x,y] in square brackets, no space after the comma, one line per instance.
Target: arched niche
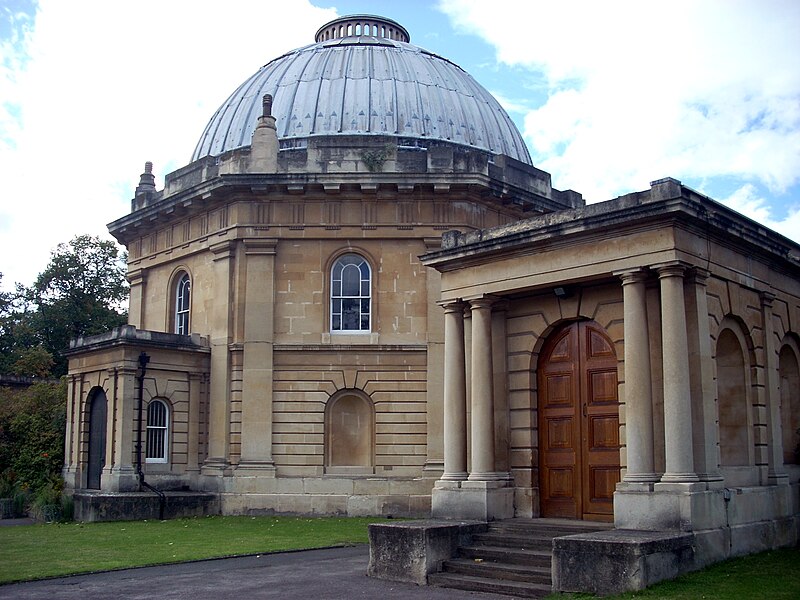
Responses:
[349,433]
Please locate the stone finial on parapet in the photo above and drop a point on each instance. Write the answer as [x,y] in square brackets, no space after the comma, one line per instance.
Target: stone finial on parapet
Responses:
[264,146]
[147,181]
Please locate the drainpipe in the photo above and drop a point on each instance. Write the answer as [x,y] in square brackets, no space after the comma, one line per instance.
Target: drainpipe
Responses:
[162,499]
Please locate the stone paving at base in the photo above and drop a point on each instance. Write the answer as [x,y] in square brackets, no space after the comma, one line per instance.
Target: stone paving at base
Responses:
[328,574]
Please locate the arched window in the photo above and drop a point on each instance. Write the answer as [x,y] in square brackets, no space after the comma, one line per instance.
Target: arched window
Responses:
[351,287]
[349,433]
[182,303]
[157,432]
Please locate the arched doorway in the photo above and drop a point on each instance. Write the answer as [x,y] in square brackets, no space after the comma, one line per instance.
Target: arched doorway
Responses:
[578,423]
[97,439]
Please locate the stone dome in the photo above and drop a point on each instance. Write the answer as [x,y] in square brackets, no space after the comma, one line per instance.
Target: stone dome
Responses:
[363,77]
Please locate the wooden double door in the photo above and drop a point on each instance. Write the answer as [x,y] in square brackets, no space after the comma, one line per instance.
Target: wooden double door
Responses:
[578,423]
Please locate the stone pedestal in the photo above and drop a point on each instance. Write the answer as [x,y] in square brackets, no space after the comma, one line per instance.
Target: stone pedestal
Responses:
[612,562]
[677,507]
[479,500]
[410,551]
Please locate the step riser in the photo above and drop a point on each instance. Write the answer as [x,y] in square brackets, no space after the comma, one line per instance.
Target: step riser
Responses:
[490,586]
[507,541]
[505,556]
[489,572]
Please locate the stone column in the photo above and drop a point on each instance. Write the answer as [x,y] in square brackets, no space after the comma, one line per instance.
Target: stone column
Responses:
[256,452]
[455,394]
[219,388]
[638,381]
[483,464]
[775,469]
[679,456]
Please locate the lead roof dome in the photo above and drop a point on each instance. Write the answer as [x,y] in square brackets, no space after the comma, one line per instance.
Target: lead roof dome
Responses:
[363,77]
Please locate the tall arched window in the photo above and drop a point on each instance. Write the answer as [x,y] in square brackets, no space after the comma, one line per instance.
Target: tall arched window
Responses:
[351,288]
[182,304]
[157,432]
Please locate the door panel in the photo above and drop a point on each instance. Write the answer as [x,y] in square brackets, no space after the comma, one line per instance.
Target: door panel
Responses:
[97,440]
[579,423]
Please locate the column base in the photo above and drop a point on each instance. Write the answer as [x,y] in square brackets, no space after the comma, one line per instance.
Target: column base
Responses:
[256,468]
[435,465]
[121,479]
[472,500]
[214,467]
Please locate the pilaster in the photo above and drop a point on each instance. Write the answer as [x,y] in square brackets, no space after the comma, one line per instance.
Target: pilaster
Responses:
[256,449]
[219,389]
[776,473]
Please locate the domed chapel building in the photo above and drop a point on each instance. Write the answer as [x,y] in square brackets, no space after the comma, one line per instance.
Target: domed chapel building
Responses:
[360,297]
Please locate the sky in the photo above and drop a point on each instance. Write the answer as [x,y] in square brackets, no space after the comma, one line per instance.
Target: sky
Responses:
[609,95]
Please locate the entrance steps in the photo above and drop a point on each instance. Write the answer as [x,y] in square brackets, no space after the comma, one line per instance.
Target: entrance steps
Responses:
[513,557]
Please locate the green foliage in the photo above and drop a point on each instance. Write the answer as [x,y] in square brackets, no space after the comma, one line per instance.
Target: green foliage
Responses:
[32,424]
[81,292]
[33,362]
[37,551]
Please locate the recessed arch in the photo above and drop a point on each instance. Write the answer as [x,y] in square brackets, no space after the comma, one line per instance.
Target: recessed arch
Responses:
[97,409]
[789,381]
[733,359]
[349,433]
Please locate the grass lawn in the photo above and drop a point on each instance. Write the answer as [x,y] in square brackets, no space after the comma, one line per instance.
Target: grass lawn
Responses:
[774,575]
[37,551]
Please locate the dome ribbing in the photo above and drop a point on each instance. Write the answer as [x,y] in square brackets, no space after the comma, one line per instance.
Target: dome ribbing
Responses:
[363,78]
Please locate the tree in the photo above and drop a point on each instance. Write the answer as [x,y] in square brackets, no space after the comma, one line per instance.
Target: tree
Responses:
[16,329]
[82,291]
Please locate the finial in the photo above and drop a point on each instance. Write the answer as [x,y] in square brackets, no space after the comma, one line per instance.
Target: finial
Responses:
[266,103]
[147,181]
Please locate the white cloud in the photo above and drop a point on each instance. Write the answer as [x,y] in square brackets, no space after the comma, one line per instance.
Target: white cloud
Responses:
[96,88]
[642,90]
[747,201]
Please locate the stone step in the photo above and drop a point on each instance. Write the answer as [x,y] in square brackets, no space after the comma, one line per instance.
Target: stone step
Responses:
[497,570]
[516,556]
[515,539]
[495,586]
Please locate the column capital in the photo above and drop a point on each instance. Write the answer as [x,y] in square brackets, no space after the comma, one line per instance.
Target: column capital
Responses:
[673,268]
[698,275]
[634,275]
[485,301]
[451,306]
[260,246]
[223,250]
